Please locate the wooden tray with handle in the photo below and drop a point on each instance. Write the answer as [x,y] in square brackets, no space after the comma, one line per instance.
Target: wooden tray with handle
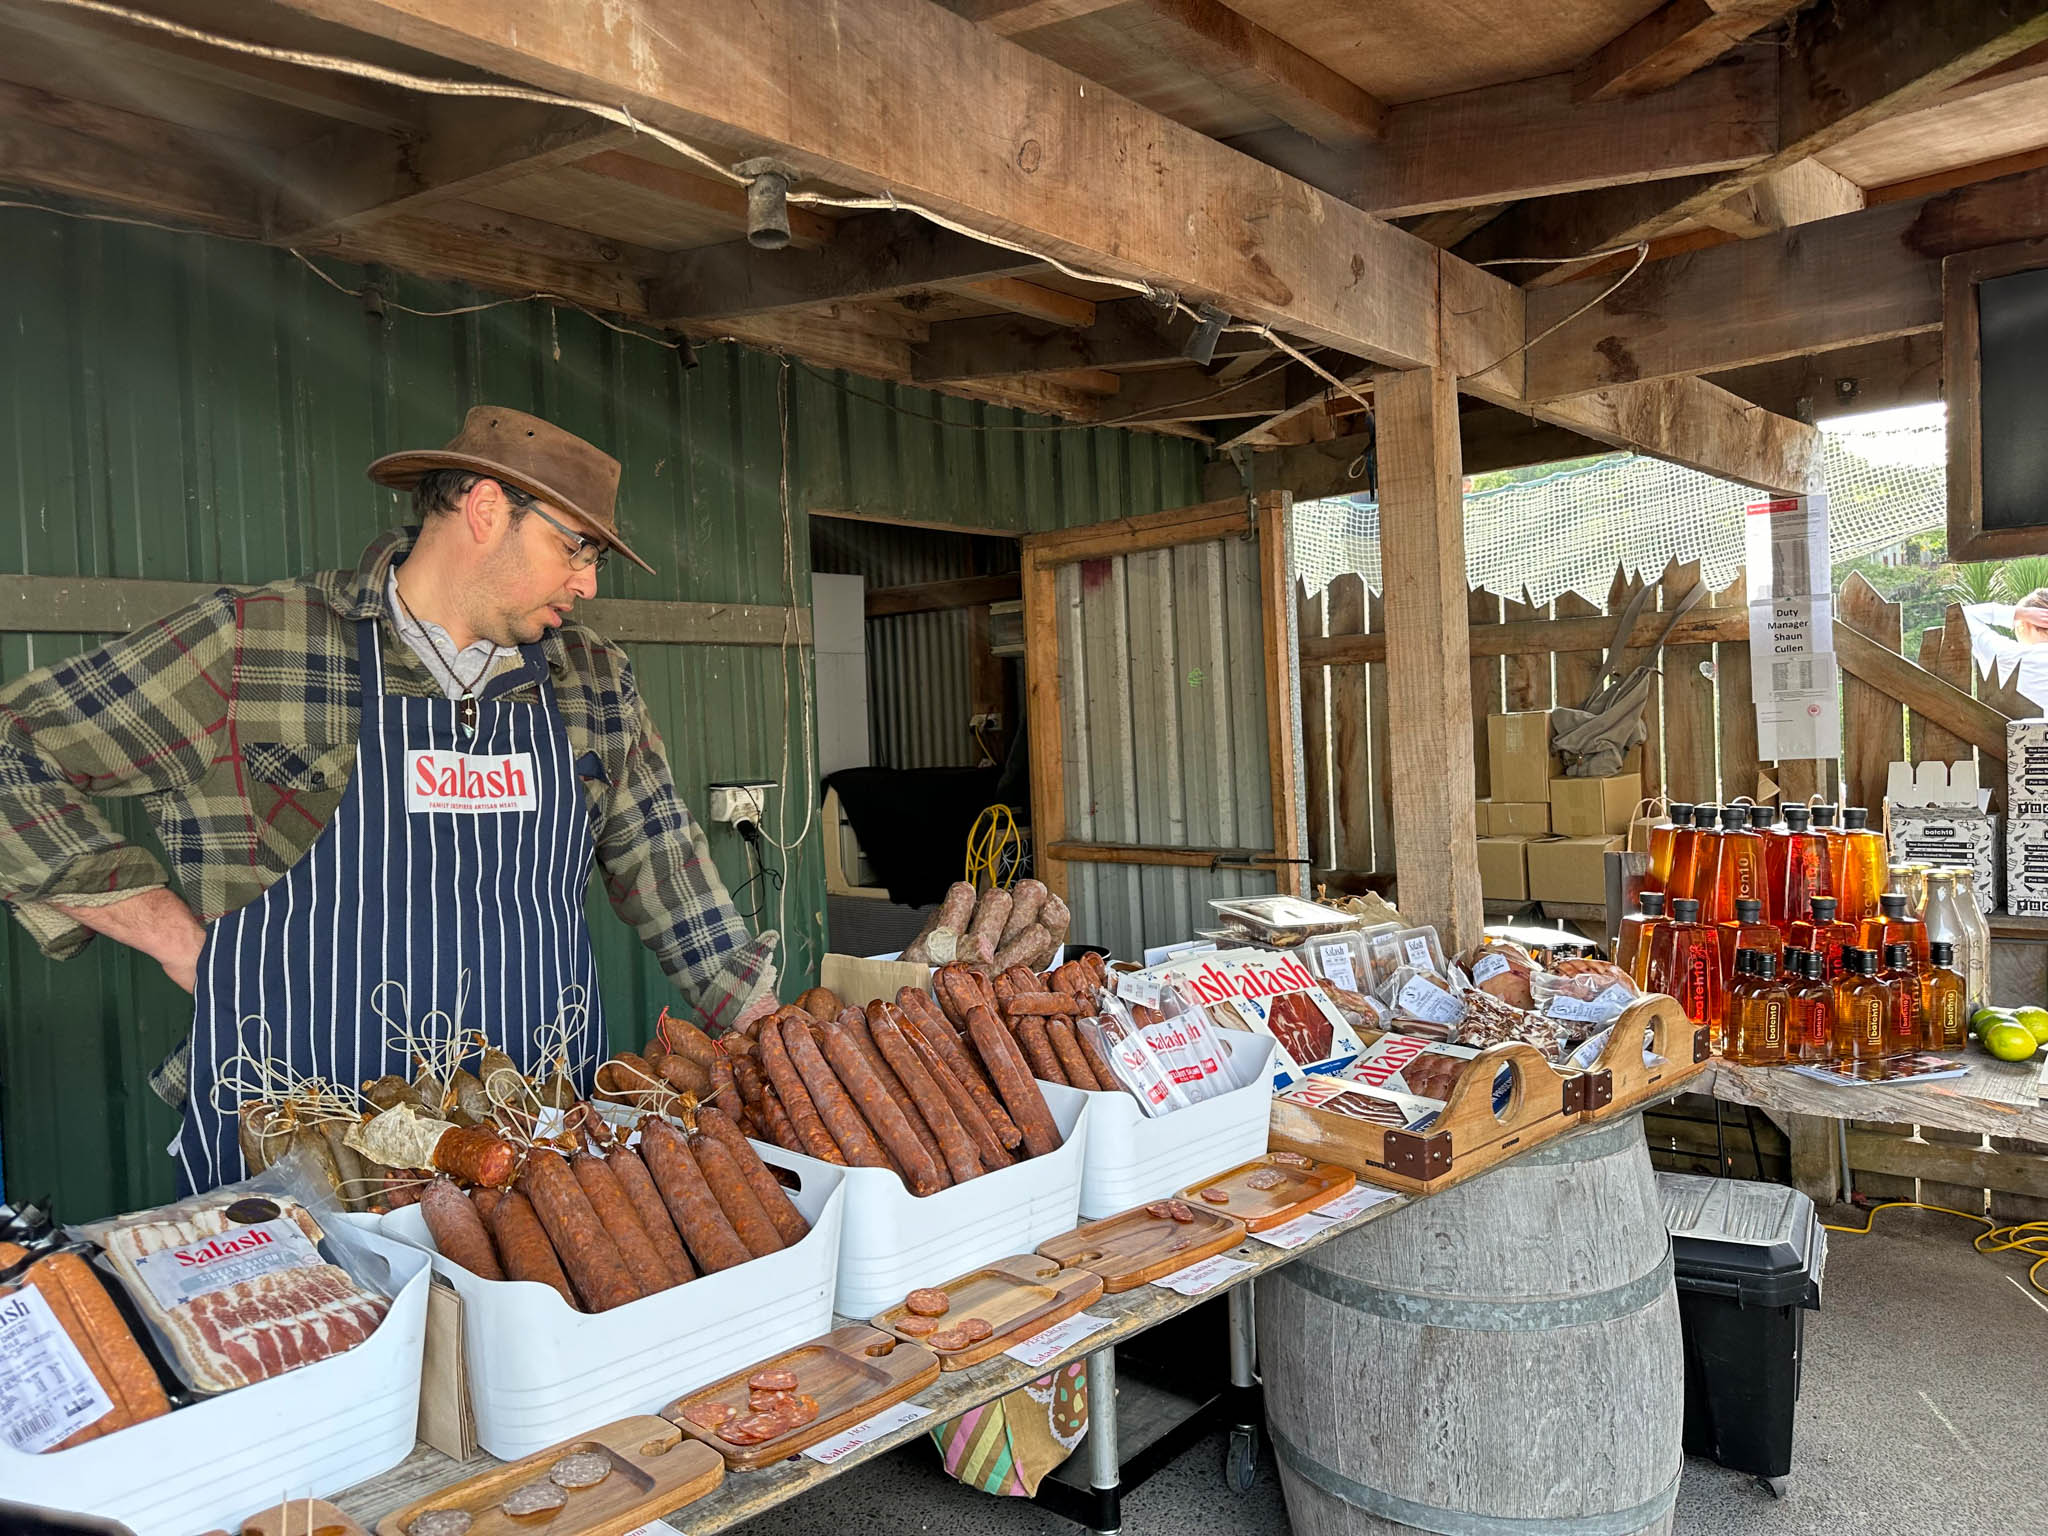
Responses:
[1135,1247]
[853,1373]
[1270,1190]
[302,1517]
[1017,1297]
[1467,1138]
[1620,1079]
[653,1470]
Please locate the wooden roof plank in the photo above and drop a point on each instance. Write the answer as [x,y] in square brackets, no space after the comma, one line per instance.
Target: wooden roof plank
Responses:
[1670,43]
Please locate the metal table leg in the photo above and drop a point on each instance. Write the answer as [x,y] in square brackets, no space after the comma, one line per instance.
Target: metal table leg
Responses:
[1241,1461]
[1105,1465]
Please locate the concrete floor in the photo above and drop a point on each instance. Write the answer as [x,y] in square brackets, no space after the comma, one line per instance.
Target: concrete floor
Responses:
[1925,1387]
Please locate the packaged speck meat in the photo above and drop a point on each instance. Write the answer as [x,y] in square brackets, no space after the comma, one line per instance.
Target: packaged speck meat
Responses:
[1262,992]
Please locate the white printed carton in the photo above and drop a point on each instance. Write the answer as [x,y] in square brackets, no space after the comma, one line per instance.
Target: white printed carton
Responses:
[2026,768]
[2026,866]
[1948,835]
[1265,992]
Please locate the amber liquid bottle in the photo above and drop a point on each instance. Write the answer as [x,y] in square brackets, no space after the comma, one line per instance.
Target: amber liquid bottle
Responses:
[1825,935]
[1692,850]
[1756,1015]
[1797,860]
[1632,948]
[1685,964]
[1862,1012]
[1864,873]
[1663,844]
[1895,925]
[1810,1013]
[1906,1031]
[1944,1010]
[1740,866]
[1747,930]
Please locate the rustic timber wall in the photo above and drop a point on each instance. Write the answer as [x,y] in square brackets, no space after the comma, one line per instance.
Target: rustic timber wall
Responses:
[1702,743]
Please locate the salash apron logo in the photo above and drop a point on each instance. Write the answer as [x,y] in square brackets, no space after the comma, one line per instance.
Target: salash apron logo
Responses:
[472,783]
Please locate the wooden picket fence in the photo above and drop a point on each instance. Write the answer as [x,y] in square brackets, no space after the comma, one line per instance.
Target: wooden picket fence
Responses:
[1702,743]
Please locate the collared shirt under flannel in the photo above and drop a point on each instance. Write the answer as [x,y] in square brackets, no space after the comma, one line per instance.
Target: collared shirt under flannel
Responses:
[235,721]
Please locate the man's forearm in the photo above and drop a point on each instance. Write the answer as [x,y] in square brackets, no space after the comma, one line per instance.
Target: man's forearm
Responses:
[157,922]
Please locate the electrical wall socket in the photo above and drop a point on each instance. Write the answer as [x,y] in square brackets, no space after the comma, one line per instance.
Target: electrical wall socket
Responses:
[736,801]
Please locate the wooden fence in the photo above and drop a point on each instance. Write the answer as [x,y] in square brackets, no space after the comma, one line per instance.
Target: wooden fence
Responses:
[1702,743]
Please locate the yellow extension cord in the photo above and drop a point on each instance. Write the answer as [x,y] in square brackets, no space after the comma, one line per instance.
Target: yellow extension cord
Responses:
[2028,1237]
[993,835]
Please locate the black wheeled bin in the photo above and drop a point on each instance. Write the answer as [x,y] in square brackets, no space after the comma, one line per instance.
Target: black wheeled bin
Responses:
[1748,1261]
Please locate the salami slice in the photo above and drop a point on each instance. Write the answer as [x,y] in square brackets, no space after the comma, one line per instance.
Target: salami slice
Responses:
[535,1498]
[753,1429]
[1216,1196]
[916,1327]
[772,1381]
[1265,1178]
[926,1302]
[974,1329]
[710,1415]
[440,1522]
[948,1339]
[581,1469]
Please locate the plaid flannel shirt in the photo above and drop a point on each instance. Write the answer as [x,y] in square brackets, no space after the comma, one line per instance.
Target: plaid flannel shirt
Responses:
[235,720]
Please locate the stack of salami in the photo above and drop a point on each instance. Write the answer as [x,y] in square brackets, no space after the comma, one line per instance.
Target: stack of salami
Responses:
[993,930]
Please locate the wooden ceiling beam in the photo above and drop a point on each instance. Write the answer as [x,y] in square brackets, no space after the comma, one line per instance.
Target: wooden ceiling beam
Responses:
[1875,376]
[1236,54]
[1863,277]
[904,98]
[1799,194]
[1125,332]
[872,256]
[1032,300]
[1189,394]
[1846,66]
[141,165]
[694,189]
[1672,42]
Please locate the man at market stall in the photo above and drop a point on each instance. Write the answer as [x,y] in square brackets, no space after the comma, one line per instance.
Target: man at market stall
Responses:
[381,791]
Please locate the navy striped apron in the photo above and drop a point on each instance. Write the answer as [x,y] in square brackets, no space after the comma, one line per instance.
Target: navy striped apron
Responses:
[454,867]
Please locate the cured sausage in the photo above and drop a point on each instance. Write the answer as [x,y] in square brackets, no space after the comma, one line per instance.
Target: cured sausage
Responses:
[821,1003]
[951,916]
[1065,1004]
[725,1088]
[945,1048]
[458,1230]
[698,1215]
[1012,1074]
[746,1073]
[524,1248]
[855,1023]
[1027,900]
[1097,967]
[476,1156]
[638,1184]
[486,1201]
[682,1074]
[775,1121]
[1098,1060]
[988,1145]
[585,1248]
[891,1126]
[1068,1049]
[953,986]
[955,1144]
[990,914]
[741,1205]
[834,1108]
[1037,1047]
[811,1136]
[607,1196]
[682,1038]
[789,1221]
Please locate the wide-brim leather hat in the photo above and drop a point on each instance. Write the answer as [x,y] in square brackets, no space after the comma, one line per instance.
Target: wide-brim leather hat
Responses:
[530,455]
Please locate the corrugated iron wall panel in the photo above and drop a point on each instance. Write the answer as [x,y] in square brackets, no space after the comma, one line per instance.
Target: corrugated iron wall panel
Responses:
[1164,700]
[184,408]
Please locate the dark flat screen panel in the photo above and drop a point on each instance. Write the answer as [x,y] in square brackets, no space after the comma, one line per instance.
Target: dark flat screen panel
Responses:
[2012,328]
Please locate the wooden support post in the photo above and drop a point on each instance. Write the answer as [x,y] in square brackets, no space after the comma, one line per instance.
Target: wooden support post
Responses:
[1422,559]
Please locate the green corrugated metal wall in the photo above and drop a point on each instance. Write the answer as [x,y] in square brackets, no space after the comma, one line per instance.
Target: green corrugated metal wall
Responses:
[183,408]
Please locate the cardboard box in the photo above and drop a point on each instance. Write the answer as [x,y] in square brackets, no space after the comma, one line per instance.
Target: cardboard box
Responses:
[1934,813]
[1521,818]
[2026,769]
[1504,868]
[1482,817]
[2026,866]
[1594,807]
[1571,869]
[1518,748]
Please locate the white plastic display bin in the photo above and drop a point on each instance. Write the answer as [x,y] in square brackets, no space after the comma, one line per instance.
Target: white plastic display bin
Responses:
[1132,1159]
[540,1372]
[893,1241]
[305,1434]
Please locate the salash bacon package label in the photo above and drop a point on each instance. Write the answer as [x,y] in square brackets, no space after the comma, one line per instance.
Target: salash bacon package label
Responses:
[176,1276]
[1376,1106]
[1272,994]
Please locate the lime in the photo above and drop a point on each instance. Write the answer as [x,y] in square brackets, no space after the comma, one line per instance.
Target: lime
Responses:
[1985,1016]
[2009,1042]
[2036,1020]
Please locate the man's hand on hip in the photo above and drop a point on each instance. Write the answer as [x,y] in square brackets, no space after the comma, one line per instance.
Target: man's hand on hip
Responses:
[155,921]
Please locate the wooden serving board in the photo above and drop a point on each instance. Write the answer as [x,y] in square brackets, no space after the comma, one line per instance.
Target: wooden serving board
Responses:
[302,1517]
[654,1470]
[854,1373]
[1017,1297]
[1297,1191]
[1134,1247]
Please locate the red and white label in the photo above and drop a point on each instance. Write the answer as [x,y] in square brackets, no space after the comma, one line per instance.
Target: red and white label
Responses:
[177,1276]
[467,783]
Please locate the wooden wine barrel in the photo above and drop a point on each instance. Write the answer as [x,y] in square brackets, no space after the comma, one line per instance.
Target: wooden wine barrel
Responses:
[1501,1359]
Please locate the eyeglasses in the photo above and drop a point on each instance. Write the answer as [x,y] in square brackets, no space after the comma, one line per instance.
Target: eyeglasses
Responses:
[588,555]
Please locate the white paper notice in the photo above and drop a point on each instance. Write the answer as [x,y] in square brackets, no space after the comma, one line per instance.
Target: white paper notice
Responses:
[654,1528]
[1798,707]
[1785,547]
[847,1441]
[1057,1339]
[1791,626]
[1199,1279]
[1357,1198]
[1292,1234]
